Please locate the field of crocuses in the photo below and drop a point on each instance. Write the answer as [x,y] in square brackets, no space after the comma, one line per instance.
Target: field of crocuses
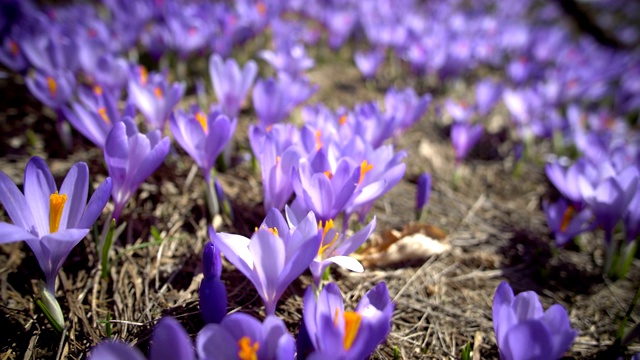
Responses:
[339,179]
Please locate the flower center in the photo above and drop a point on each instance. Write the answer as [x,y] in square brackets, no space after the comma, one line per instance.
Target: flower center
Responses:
[56,206]
[144,75]
[13,47]
[97,89]
[365,167]
[103,114]
[262,8]
[566,218]
[328,225]
[158,92]
[318,139]
[52,85]
[343,119]
[247,350]
[351,326]
[202,119]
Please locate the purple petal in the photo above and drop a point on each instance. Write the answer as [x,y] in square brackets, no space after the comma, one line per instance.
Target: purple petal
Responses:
[75,186]
[15,203]
[152,161]
[38,187]
[96,204]
[215,342]
[527,340]
[10,233]
[527,306]
[170,341]
[559,326]
[115,350]
[268,254]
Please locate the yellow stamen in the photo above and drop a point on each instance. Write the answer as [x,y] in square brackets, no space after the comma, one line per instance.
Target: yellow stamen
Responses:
[56,206]
[328,225]
[329,174]
[202,119]
[144,75]
[103,114]
[248,351]
[13,47]
[566,218]
[52,85]
[343,119]
[318,139]
[278,159]
[274,231]
[97,89]
[365,167]
[269,127]
[351,326]
[158,92]
[262,8]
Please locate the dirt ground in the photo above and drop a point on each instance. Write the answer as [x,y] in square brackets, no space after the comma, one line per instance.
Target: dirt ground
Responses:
[493,221]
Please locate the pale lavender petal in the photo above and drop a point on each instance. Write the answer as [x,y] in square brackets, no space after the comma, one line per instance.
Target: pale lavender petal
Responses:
[38,187]
[76,187]
[15,203]
[115,350]
[96,204]
[558,324]
[10,233]
[152,161]
[214,342]
[527,340]
[170,341]
[347,262]
[268,254]
[527,306]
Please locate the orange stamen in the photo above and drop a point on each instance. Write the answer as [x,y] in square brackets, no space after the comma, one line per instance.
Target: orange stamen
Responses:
[329,174]
[365,167]
[103,114]
[262,8]
[247,350]
[56,207]
[144,75]
[343,119]
[351,325]
[566,218]
[318,139]
[97,89]
[52,85]
[13,47]
[158,92]
[328,225]
[202,119]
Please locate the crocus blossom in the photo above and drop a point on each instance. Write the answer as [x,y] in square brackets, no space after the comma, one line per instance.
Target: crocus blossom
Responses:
[525,331]
[464,137]
[566,222]
[52,222]
[169,341]
[131,158]
[212,293]
[202,136]
[241,336]
[274,256]
[154,96]
[338,334]
[230,83]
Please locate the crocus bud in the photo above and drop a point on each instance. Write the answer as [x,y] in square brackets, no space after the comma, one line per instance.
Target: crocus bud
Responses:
[52,307]
[213,294]
[424,191]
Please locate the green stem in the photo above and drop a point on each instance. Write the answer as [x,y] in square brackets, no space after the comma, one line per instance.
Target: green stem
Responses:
[106,248]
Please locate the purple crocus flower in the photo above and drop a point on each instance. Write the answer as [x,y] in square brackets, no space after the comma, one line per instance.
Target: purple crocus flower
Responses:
[336,247]
[524,331]
[566,222]
[271,101]
[241,336]
[338,334]
[459,111]
[464,137]
[424,191]
[291,59]
[131,157]
[231,84]
[52,222]
[95,119]
[169,341]
[369,62]
[152,94]
[610,198]
[202,136]
[212,293]
[11,56]
[324,191]
[405,106]
[488,93]
[274,256]
[52,89]
[566,181]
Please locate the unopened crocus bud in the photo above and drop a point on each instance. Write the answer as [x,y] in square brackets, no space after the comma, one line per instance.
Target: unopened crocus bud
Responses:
[213,294]
[52,307]
[424,191]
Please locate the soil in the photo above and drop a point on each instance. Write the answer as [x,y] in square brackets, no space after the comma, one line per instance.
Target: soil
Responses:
[493,220]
